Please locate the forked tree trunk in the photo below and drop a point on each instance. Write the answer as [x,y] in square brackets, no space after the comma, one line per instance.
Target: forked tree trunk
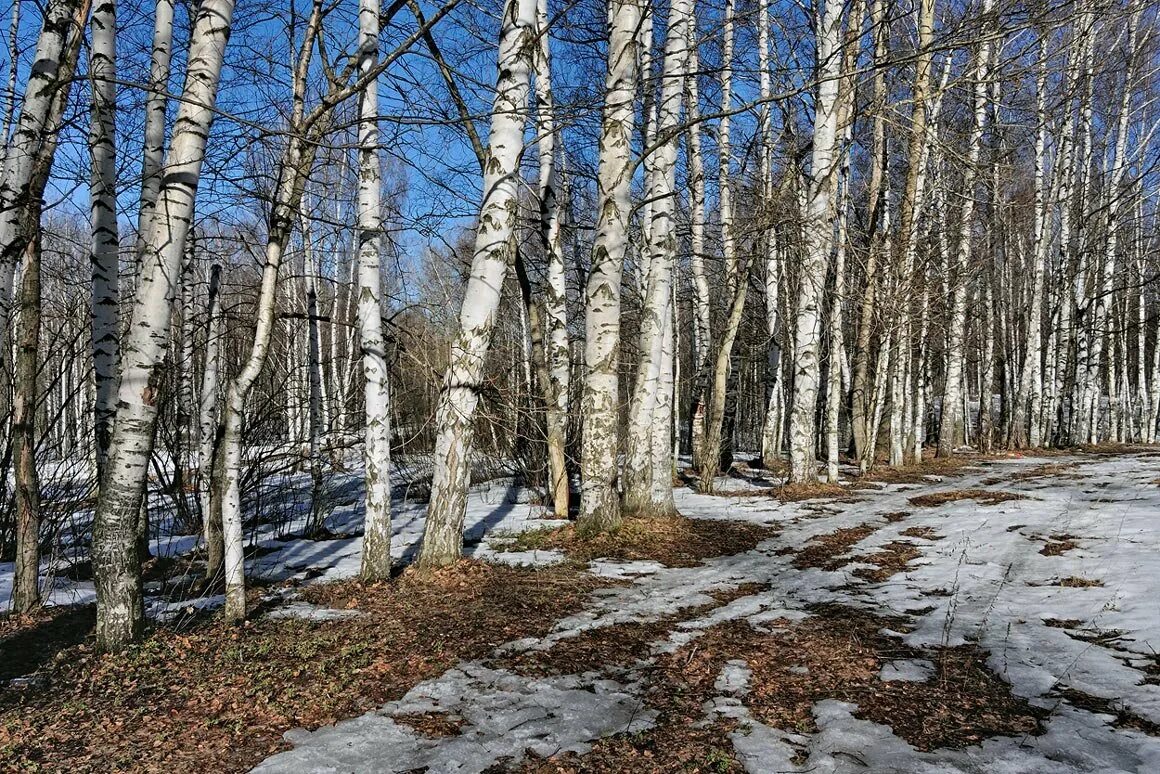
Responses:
[116,564]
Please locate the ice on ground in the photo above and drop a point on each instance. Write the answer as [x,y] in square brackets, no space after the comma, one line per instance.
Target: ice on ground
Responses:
[911,670]
[503,715]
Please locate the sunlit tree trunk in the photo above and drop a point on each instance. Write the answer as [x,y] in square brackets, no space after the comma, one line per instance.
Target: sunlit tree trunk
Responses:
[556,293]
[376,554]
[443,531]
[649,420]
[116,564]
[702,330]
[952,418]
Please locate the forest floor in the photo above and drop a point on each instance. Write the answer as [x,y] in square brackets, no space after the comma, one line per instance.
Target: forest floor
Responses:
[990,615]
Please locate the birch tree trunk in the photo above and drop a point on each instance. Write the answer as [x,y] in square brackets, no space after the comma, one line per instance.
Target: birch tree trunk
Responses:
[116,565]
[649,487]
[599,497]
[952,418]
[443,531]
[1031,376]
[105,257]
[208,440]
[911,206]
[702,329]
[28,162]
[30,150]
[556,352]
[818,233]
[376,555]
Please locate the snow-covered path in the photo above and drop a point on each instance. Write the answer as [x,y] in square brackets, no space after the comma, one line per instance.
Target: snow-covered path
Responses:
[1060,588]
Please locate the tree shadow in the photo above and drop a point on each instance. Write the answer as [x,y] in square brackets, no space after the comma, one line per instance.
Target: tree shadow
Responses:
[32,646]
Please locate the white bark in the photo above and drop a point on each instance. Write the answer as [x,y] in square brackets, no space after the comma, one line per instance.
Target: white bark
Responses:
[952,419]
[115,562]
[156,104]
[557,354]
[105,268]
[648,477]
[702,337]
[443,531]
[376,555]
[818,233]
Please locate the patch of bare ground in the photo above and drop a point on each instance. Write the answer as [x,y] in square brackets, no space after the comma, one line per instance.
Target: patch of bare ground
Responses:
[843,652]
[796,493]
[919,474]
[1076,582]
[218,698]
[432,724]
[891,560]
[675,541]
[981,496]
[837,653]
[1048,470]
[926,533]
[1059,544]
[1123,717]
[1062,623]
[896,516]
[612,647]
[826,551]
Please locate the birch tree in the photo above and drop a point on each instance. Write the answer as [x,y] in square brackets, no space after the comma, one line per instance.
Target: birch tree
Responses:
[649,458]
[818,232]
[376,555]
[443,530]
[599,469]
[116,565]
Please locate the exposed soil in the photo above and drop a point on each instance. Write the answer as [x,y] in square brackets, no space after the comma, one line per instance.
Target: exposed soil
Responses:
[1123,718]
[610,647]
[218,698]
[1059,544]
[432,724]
[826,551]
[674,541]
[981,496]
[843,652]
[838,653]
[796,493]
[892,559]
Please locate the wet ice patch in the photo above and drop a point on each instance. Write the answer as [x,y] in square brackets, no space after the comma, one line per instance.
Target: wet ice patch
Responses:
[911,670]
[504,714]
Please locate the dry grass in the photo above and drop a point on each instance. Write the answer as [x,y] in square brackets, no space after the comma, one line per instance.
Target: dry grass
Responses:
[826,551]
[675,541]
[891,560]
[1059,544]
[981,496]
[796,493]
[1076,582]
[218,698]
[926,533]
